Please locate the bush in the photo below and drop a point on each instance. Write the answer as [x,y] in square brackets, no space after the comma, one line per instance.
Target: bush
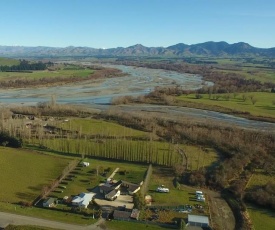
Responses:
[9,141]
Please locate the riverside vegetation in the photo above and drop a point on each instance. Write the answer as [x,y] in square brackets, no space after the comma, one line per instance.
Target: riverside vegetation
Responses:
[34,74]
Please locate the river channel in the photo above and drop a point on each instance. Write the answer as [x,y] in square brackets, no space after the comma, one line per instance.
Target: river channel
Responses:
[139,81]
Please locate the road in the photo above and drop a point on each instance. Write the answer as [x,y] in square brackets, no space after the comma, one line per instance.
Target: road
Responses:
[14,219]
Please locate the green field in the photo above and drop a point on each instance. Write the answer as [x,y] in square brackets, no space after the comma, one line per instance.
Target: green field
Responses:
[263,107]
[27,227]
[8,61]
[24,173]
[262,219]
[100,128]
[176,196]
[256,68]
[124,225]
[45,74]
[259,178]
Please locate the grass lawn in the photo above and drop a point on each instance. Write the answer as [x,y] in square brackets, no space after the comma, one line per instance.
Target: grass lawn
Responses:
[124,225]
[262,107]
[27,227]
[25,172]
[261,218]
[46,213]
[176,197]
[100,127]
[259,178]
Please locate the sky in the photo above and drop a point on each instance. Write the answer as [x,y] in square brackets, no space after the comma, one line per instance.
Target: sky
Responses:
[123,23]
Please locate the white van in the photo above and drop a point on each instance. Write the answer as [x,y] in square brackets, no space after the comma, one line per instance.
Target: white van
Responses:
[201,199]
[199,193]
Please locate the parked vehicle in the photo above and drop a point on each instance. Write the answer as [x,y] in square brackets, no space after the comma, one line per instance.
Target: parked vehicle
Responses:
[162,189]
[202,199]
[199,193]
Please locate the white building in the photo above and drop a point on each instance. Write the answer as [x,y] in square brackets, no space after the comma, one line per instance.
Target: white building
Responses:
[83,199]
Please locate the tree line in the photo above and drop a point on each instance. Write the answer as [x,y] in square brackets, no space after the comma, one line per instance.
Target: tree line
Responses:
[25,65]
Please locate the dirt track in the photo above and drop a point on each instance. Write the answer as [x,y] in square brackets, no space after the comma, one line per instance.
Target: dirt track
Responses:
[222,217]
[8,218]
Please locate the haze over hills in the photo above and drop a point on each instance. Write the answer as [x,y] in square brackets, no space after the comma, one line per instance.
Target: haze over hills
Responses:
[202,49]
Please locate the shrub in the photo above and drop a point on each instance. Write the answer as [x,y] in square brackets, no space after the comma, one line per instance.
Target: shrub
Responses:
[9,141]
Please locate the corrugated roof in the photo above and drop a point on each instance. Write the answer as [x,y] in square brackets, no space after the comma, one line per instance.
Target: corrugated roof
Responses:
[49,200]
[198,219]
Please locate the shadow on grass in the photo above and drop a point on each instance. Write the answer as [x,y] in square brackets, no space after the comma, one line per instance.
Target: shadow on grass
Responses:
[262,210]
[192,193]
[266,107]
[26,196]
[36,188]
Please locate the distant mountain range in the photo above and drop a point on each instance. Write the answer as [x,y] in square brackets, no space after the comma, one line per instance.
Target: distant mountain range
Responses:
[179,50]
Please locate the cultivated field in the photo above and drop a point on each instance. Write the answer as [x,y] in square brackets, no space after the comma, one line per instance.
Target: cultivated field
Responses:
[24,173]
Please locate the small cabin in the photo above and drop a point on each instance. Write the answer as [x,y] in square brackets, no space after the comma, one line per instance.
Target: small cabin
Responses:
[49,203]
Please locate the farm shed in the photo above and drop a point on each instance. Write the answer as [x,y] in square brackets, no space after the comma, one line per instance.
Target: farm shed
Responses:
[49,202]
[121,215]
[200,221]
[131,187]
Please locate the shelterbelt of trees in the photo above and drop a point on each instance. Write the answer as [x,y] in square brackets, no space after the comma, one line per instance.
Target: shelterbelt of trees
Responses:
[25,66]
